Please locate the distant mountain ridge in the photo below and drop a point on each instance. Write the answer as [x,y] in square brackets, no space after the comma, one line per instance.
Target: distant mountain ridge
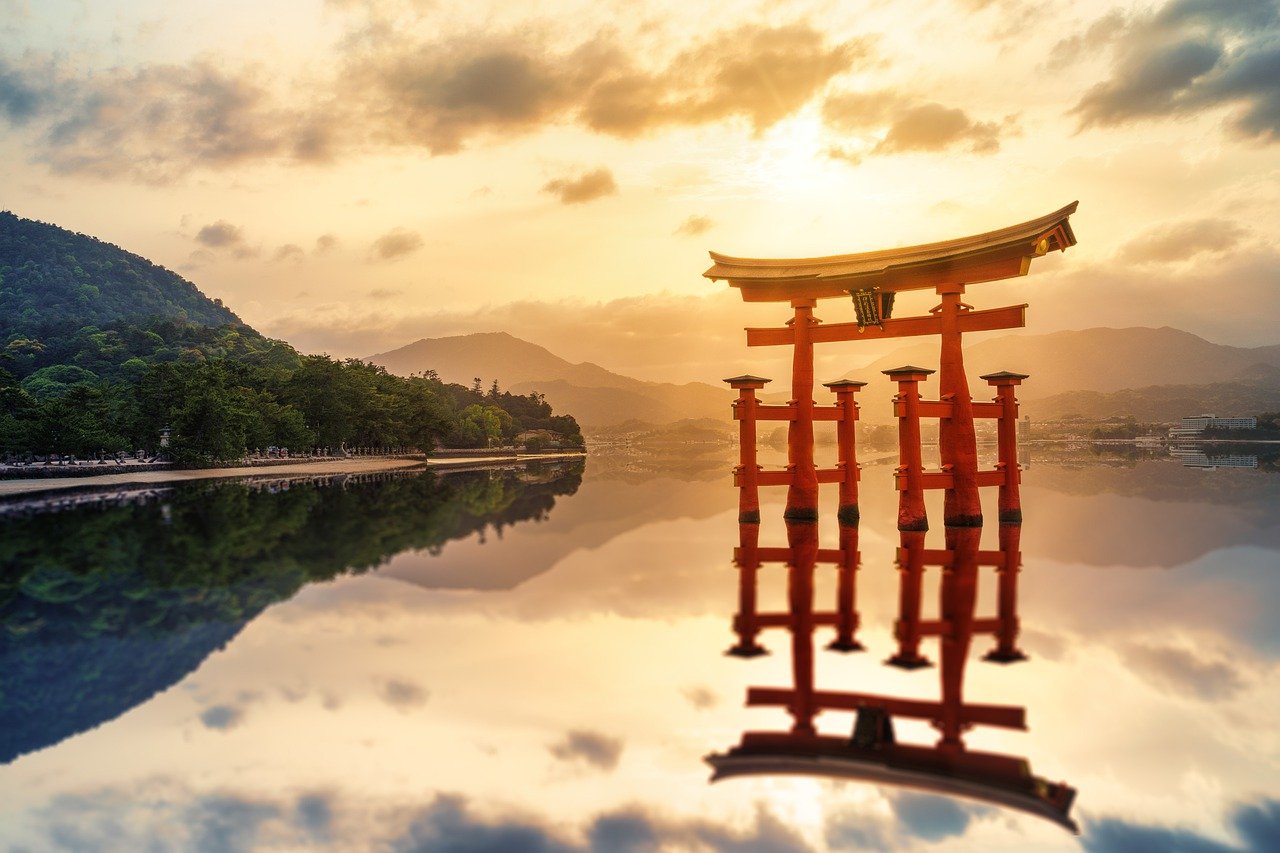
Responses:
[595,396]
[1100,361]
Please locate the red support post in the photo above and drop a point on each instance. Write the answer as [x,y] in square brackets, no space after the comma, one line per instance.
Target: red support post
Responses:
[957,442]
[910,589]
[847,442]
[911,511]
[847,619]
[802,495]
[745,623]
[1007,430]
[1006,650]
[745,411]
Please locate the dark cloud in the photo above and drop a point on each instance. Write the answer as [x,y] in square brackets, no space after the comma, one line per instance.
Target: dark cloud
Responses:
[588,186]
[325,243]
[933,127]
[1190,56]
[157,123]
[288,252]
[857,831]
[219,235]
[906,125]
[1097,35]
[222,716]
[694,226]
[598,750]
[396,243]
[222,236]
[1181,241]
[769,73]
[404,695]
[1183,672]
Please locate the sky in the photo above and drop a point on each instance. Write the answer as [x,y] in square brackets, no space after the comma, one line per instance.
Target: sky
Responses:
[353,175]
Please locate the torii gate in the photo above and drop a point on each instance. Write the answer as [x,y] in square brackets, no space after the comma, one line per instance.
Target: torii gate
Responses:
[872,279]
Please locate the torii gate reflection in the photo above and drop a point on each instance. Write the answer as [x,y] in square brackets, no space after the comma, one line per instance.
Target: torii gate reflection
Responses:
[873,279]
[872,753]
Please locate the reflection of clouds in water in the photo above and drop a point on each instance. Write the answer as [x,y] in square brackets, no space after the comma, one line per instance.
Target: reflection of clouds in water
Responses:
[161,815]
[594,748]
[222,717]
[1183,670]
[700,697]
[1256,825]
[934,818]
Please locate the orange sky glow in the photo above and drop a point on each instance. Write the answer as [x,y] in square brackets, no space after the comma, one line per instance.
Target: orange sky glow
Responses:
[354,175]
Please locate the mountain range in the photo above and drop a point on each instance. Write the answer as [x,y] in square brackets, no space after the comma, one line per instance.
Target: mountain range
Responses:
[593,395]
[1153,374]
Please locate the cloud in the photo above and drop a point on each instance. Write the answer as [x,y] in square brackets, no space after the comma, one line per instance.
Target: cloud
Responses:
[222,236]
[905,124]
[588,186]
[396,243]
[288,252]
[155,123]
[222,717]
[403,695]
[384,293]
[1183,671]
[1181,241]
[325,243]
[694,226]
[598,750]
[1189,56]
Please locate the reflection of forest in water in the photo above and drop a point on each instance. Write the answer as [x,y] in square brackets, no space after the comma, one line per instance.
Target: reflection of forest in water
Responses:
[104,606]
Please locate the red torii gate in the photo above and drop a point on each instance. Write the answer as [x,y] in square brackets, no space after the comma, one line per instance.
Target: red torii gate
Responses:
[872,279]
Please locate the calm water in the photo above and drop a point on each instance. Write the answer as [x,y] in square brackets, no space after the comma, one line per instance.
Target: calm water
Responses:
[535,660]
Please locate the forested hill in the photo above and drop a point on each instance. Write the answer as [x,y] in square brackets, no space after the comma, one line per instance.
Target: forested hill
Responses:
[100,350]
[51,277]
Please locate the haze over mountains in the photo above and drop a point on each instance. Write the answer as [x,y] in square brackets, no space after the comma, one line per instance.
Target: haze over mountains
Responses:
[1154,374]
[593,395]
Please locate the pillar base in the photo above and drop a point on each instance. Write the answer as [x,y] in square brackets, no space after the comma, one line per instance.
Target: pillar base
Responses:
[962,521]
[848,515]
[839,645]
[801,513]
[998,656]
[1010,516]
[905,662]
[746,650]
[751,516]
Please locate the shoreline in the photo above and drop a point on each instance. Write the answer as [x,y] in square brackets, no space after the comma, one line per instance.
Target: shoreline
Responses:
[352,465]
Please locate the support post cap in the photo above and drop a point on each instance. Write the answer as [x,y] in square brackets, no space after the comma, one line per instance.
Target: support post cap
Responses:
[907,372]
[844,385]
[747,381]
[1004,377]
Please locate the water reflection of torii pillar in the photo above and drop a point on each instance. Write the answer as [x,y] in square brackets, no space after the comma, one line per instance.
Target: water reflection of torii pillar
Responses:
[873,753]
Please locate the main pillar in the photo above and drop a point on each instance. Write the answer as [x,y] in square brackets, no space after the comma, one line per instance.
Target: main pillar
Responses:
[957,442]
[802,494]
[911,511]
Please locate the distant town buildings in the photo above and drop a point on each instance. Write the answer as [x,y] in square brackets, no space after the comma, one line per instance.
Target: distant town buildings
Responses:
[1194,427]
